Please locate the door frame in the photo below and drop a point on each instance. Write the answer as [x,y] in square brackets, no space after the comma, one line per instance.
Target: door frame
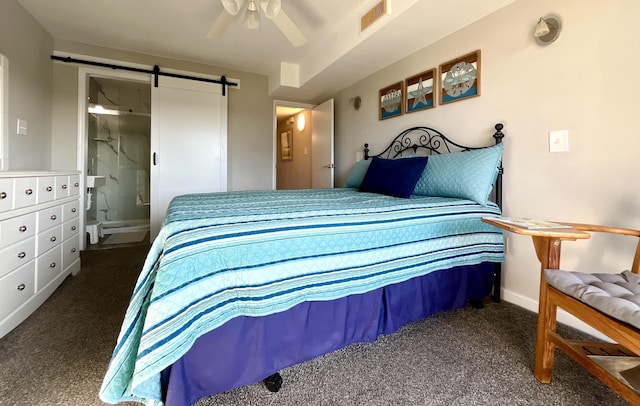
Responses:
[274,138]
[84,73]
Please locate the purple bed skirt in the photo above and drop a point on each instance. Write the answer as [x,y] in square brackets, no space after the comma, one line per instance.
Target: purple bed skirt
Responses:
[246,350]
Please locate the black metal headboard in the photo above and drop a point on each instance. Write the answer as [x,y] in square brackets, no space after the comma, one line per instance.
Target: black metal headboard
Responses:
[430,141]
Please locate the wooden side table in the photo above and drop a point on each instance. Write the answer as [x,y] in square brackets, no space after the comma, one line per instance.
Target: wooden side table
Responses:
[547,243]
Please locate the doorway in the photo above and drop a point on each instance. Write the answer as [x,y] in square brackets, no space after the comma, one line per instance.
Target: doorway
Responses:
[303,145]
[117,165]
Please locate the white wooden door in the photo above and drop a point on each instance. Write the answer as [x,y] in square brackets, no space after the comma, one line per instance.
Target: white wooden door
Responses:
[188,142]
[322,159]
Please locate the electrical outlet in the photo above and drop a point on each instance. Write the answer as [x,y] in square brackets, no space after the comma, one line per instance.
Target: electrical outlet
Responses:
[559,141]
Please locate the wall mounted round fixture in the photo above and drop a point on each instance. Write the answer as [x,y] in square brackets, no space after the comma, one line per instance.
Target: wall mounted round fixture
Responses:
[356,101]
[547,29]
[301,122]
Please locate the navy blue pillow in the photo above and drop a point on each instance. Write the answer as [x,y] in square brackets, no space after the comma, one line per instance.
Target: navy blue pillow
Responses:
[393,177]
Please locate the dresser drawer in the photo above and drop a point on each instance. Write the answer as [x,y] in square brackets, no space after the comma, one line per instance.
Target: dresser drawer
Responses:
[70,228]
[48,266]
[17,255]
[24,192]
[49,218]
[70,251]
[48,239]
[17,229]
[70,210]
[62,187]
[6,194]
[74,185]
[46,189]
[16,288]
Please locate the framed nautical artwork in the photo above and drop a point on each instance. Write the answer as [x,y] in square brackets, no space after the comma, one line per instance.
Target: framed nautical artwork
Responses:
[391,101]
[460,78]
[419,91]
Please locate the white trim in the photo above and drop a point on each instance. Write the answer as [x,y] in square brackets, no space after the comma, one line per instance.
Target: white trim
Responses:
[562,316]
[4,113]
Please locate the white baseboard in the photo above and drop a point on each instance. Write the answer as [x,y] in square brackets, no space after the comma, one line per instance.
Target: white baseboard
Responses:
[562,316]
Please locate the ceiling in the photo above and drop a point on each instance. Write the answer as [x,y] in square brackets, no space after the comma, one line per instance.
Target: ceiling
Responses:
[335,56]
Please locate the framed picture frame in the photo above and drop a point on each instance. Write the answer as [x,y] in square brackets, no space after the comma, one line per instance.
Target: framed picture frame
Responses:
[391,101]
[419,91]
[460,78]
[286,145]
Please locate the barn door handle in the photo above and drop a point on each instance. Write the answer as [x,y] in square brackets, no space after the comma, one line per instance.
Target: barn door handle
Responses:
[154,159]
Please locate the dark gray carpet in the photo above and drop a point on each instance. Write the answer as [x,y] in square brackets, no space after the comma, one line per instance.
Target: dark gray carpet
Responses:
[462,357]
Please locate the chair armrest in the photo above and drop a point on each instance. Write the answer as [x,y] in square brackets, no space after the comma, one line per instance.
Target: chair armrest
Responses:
[635,268]
[603,229]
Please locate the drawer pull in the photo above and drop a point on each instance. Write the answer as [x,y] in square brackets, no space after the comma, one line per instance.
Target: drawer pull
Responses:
[22,255]
[52,265]
[64,187]
[28,192]
[21,286]
[22,229]
[76,184]
[73,228]
[74,210]
[49,188]
[53,239]
[53,217]
[73,250]
[3,195]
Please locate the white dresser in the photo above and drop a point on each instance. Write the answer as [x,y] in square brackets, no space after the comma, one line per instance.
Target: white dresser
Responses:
[39,239]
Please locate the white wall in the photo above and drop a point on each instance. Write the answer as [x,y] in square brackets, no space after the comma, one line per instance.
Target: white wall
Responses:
[28,47]
[584,82]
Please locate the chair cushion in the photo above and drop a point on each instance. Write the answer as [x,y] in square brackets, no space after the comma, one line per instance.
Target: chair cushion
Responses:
[617,295]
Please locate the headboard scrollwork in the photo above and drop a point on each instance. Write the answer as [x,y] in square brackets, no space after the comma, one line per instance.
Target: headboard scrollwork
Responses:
[428,140]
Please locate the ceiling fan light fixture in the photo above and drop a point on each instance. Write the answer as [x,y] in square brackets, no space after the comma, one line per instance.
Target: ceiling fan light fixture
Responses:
[251,16]
[232,6]
[271,8]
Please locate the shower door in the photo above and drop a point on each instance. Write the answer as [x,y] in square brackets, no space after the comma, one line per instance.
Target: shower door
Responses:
[118,149]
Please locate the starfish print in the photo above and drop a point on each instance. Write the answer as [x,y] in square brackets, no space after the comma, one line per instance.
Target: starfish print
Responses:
[420,95]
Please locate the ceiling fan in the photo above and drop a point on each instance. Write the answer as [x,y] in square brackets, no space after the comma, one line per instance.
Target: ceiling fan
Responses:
[270,8]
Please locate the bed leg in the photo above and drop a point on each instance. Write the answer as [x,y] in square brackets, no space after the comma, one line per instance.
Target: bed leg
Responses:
[273,382]
[497,281]
[476,303]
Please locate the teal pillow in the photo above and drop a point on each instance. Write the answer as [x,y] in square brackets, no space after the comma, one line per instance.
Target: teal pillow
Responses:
[357,173]
[465,175]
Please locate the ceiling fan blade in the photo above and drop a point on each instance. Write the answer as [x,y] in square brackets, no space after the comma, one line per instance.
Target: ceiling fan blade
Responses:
[220,25]
[289,29]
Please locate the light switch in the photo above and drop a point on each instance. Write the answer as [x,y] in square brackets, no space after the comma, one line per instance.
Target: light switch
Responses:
[22,127]
[559,141]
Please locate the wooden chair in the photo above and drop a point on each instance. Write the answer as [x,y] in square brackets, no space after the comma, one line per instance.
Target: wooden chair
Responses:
[588,354]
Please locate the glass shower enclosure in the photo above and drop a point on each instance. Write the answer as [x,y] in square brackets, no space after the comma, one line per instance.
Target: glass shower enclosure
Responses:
[118,149]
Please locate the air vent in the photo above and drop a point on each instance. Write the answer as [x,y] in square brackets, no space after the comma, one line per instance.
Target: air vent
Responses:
[373,15]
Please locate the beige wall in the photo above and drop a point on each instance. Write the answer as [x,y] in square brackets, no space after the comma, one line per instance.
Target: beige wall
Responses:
[28,47]
[296,173]
[584,82]
[249,126]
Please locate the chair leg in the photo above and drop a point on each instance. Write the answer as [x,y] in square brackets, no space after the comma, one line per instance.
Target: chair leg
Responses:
[546,325]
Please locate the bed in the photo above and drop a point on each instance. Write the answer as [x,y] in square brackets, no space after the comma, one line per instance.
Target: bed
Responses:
[240,285]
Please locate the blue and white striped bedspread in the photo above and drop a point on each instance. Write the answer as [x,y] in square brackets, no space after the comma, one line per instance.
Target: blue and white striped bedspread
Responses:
[223,255]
